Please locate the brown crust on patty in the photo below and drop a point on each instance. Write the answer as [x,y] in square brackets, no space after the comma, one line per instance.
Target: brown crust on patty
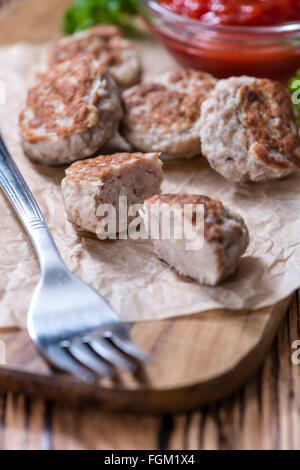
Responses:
[83,233]
[105,43]
[268,109]
[165,115]
[183,77]
[214,212]
[94,41]
[99,167]
[69,84]
[165,108]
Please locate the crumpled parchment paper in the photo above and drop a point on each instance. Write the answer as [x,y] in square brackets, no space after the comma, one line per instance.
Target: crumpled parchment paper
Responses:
[138,285]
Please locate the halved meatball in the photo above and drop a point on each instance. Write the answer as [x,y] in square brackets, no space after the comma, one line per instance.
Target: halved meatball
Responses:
[222,234]
[99,181]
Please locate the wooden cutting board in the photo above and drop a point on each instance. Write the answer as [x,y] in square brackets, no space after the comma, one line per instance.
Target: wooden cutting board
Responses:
[196,360]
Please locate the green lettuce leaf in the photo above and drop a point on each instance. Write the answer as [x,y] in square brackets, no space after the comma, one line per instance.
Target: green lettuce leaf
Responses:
[294,87]
[84,14]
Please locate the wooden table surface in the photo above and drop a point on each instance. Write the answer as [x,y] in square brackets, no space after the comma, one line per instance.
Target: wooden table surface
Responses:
[264,414]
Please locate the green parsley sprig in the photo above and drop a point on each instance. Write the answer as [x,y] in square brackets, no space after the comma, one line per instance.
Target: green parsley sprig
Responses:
[294,87]
[84,14]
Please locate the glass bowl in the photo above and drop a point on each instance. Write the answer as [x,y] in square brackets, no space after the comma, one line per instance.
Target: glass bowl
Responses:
[262,51]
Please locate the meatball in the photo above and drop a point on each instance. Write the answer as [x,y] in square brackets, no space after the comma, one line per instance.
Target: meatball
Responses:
[71,112]
[106,43]
[102,180]
[223,233]
[164,116]
[248,130]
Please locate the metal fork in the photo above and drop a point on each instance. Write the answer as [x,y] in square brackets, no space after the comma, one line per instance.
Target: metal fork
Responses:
[73,327]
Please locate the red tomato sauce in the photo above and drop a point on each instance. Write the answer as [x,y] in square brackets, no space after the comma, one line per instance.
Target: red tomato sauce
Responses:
[262,54]
[237,12]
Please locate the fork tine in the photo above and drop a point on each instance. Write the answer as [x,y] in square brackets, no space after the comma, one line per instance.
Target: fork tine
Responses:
[61,359]
[129,347]
[108,352]
[85,356]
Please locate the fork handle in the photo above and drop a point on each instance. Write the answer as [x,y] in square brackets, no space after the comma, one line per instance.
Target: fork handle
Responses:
[26,207]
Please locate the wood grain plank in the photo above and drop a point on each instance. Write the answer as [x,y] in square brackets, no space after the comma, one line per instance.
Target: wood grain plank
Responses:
[214,352]
[32,20]
[36,429]
[87,428]
[263,414]
[15,423]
